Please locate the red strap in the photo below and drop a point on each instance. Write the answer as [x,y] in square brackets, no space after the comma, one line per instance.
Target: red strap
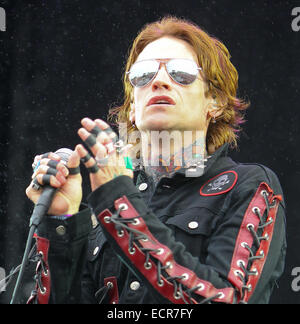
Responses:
[165,256]
[242,254]
[43,249]
[112,283]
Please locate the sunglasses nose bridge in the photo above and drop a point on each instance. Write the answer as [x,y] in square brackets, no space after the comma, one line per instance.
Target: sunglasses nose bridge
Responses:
[162,71]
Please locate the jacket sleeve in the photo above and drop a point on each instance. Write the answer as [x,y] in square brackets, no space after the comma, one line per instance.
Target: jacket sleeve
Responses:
[244,254]
[62,250]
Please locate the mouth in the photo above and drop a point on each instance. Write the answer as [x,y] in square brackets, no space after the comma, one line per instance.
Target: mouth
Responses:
[161,101]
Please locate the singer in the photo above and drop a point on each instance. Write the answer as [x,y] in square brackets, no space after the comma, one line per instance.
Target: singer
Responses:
[196,227]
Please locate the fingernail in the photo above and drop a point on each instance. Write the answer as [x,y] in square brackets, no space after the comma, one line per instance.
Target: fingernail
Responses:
[60,178]
[65,171]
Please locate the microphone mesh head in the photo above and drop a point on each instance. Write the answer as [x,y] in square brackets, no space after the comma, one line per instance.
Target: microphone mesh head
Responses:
[64,153]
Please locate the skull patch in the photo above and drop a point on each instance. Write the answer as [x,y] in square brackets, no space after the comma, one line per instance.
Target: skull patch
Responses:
[220,184]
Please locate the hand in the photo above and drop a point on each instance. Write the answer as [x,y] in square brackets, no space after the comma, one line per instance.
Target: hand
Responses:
[106,163]
[69,194]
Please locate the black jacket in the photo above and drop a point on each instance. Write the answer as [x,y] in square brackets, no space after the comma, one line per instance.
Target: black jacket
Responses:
[219,237]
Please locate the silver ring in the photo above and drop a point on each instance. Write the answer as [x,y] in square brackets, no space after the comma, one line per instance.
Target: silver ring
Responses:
[35,185]
[103,161]
[119,145]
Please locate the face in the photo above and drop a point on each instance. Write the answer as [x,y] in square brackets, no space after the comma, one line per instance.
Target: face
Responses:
[189,109]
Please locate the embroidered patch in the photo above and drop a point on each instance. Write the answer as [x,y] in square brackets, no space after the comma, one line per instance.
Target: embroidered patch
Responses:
[220,184]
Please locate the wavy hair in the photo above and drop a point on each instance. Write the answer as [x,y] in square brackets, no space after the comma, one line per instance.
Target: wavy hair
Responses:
[219,73]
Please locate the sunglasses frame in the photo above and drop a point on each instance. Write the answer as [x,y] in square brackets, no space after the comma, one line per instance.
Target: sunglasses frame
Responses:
[163,62]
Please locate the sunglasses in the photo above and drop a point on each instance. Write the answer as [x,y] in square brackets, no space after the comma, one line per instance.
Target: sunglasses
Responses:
[182,71]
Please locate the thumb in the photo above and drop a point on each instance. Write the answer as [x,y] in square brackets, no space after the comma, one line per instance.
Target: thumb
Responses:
[74,163]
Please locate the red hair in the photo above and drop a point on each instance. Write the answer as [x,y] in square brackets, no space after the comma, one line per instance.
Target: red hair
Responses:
[220,75]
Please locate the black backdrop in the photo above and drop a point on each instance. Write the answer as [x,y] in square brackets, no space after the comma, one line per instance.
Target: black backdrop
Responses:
[61,60]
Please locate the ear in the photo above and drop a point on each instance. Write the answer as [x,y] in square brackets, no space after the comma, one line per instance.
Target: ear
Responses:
[215,109]
[132,113]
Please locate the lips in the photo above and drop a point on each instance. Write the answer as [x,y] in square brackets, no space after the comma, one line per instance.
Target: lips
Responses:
[161,100]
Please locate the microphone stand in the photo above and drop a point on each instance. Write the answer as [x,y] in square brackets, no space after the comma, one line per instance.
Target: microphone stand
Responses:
[38,213]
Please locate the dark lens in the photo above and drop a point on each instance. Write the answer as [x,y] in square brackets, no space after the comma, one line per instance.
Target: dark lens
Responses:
[141,73]
[182,71]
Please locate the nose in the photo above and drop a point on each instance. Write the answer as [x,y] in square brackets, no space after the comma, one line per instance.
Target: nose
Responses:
[162,79]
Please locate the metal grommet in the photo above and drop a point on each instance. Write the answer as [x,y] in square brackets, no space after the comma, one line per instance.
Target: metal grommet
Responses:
[250,226]
[109,284]
[135,221]
[120,233]
[43,292]
[244,244]
[160,251]
[239,262]
[169,265]
[249,287]
[177,295]
[123,206]
[221,295]
[186,276]
[160,283]
[239,273]
[148,265]
[131,250]
[256,210]
[201,287]
[61,230]
[264,192]
[106,219]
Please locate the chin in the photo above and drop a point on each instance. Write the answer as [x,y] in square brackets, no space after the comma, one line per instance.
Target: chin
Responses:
[157,125]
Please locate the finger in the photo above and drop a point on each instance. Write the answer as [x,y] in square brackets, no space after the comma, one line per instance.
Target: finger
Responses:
[51,180]
[97,149]
[97,133]
[59,166]
[107,129]
[89,162]
[49,155]
[46,170]
[74,163]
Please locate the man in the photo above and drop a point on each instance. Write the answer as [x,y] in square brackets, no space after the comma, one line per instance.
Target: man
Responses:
[163,234]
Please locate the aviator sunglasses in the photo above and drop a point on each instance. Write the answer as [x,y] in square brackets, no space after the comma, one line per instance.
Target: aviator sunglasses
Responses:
[182,71]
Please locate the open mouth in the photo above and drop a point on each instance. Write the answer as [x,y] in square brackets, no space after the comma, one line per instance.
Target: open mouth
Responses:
[161,100]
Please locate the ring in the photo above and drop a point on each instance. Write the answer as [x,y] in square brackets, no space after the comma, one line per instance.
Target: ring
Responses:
[36,166]
[35,185]
[119,145]
[103,161]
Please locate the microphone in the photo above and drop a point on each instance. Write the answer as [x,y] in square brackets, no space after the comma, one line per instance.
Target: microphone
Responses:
[42,206]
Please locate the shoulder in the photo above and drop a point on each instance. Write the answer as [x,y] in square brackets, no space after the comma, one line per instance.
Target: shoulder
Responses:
[251,175]
[256,171]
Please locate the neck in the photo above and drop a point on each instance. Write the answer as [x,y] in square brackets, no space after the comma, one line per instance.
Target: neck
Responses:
[165,152]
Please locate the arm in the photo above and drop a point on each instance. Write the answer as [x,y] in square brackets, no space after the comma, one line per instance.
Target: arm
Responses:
[233,272]
[248,243]
[61,243]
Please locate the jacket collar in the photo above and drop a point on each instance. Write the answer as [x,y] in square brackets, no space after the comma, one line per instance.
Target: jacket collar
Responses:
[204,169]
